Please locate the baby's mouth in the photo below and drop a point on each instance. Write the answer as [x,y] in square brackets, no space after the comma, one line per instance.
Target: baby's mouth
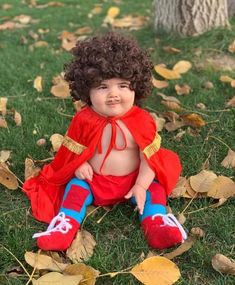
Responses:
[112,102]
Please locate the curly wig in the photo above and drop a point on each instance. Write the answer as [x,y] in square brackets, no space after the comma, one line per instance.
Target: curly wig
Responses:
[109,56]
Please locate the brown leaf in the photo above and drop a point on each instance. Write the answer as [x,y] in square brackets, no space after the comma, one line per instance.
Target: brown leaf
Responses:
[130,22]
[231,102]
[171,49]
[208,85]
[3,105]
[54,278]
[232,83]
[160,84]
[225,78]
[156,270]
[202,181]
[89,274]
[223,264]
[113,12]
[56,141]
[159,121]
[78,105]
[17,118]
[30,169]
[83,30]
[37,84]
[222,187]
[61,90]
[23,19]
[3,123]
[171,116]
[172,126]
[182,89]
[229,160]
[166,73]
[7,178]
[172,105]
[231,47]
[201,106]
[193,120]
[168,98]
[43,261]
[197,232]
[182,66]
[181,249]
[181,218]
[4,155]
[82,247]
[179,189]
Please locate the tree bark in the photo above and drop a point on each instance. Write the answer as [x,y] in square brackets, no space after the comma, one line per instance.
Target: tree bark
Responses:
[231,8]
[190,17]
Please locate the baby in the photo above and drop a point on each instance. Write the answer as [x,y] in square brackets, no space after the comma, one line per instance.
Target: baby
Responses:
[111,152]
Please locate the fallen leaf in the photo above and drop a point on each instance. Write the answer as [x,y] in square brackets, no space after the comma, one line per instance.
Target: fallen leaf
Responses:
[43,261]
[56,141]
[6,6]
[219,203]
[129,21]
[89,274]
[78,105]
[222,187]
[41,142]
[30,169]
[231,102]
[179,135]
[193,120]
[113,12]
[182,66]
[7,178]
[181,218]
[232,83]
[61,87]
[202,181]
[190,193]
[55,278]
[225,78]
[166,73]
[156,270]
[173,126]
[201,106]
[3,105]
[3,123]
[159,121]
[37,84]
[4,155]
[82,247]
[182,89]
[231,47]
[208,85]
[171,116]
[23,19]
[17,118]
[168,98]
[160,84]
[83,30]
[229,160]
[172,105]
[223,264]
[181,249]
[197,232]
[171,49]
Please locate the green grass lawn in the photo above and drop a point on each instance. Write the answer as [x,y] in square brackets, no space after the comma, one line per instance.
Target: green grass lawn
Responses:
[120,241]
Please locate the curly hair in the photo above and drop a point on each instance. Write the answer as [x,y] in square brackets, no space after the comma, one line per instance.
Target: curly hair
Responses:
[108,56]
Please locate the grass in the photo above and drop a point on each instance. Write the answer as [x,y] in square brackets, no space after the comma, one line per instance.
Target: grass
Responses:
[120,240]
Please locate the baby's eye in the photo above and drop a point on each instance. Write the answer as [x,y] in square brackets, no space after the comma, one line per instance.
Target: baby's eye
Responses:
[124,86]
[101,87]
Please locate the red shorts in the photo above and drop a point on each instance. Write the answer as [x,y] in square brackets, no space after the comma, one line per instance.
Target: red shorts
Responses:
[109,189]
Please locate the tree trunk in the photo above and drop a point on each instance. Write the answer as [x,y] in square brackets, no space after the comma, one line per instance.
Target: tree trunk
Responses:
[231,8]
[190,17]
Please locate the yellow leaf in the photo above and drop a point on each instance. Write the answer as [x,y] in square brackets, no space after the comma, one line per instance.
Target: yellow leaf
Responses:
[83,30]
[171,49]
[37,84]
[42,261]
[182,89]
[3,123]
[229,160]
[225,78]
[231,102]
[172,105]
[156,270]
[88,273]
[202,181]
[113,12]
[17,118]
[222,187]
[231,47]
[129,21]
[166,73]
[82,247]
[61,90]
[232,83]
[4,155]
[55,278]
[3,105]
[223,264]
[7,178]
[182,66]
[193,120]
[56,141]
[160,84]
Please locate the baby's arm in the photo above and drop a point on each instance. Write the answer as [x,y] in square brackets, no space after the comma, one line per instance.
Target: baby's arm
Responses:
[84,171]
[143,181]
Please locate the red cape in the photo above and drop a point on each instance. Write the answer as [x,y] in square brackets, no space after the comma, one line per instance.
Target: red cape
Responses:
[45,191]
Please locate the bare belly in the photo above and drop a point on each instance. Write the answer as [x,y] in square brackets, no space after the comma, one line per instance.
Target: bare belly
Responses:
[118,163]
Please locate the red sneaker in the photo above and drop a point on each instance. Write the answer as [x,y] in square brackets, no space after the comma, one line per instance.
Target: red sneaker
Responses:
[163,231]
[59,234]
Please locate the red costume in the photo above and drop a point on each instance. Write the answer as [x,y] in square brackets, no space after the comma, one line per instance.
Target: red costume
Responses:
[45,191]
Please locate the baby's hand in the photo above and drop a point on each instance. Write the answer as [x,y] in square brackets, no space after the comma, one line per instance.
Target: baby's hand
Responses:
[84,171]
[139,193]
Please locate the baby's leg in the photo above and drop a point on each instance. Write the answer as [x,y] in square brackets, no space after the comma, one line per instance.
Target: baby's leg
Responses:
[161,230]
[65,225]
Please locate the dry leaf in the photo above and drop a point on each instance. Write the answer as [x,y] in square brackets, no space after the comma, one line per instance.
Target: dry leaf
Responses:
[160,84]
[231,102]
[179,135]
[78,105]
[223,264]
[229,160]
[172,105]
[61,87]
[182,89]
[171,116]
[30,169]
[83,30]
[232,83]
[171,49]
[42,261]
[56,141]
[208,85]
[113,12]
[181,218]
[159,121]
[4,155]
[220,203]
[197,232]
[17,118]
[173,126]
[231,47]
[222,187]
[7,178]
[190,193]
[82,247]
[41,142]
[55,278]
[181,249]
[129,21]
[193,120]
[156,270]
[182,66]
[202,181]
[201,106]
[37,84]
[3,123]
[3,105]
[88,273]
[225,78]
[166,73]
[168,98]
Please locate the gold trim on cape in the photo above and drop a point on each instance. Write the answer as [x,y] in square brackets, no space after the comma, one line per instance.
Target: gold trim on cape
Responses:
[153,147]
[73,146]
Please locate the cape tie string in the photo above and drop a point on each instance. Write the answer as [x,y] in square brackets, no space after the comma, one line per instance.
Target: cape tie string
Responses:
[112,144]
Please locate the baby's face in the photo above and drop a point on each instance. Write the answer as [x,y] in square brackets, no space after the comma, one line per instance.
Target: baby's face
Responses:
[113,97]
